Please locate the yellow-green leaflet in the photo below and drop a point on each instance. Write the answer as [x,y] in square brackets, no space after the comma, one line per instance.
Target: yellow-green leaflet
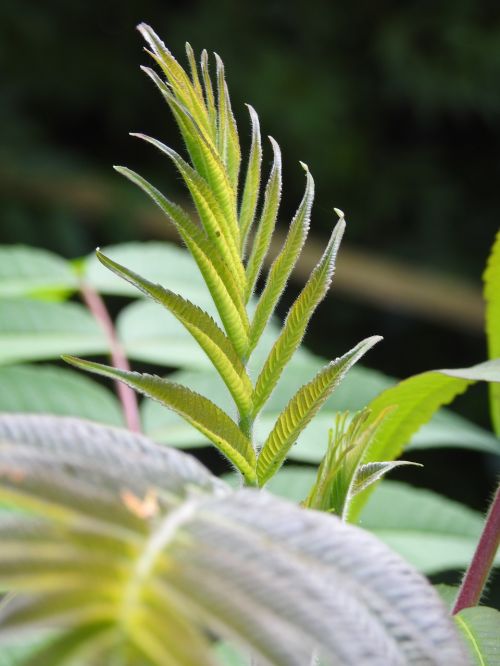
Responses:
[199,411]
[267,222]
[202,327]
[284,263]
[302,407]
[298,318]
[219,279]
[250,194]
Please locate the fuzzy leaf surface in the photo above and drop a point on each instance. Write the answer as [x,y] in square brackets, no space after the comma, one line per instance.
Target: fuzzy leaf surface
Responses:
[139,544]
[492,297]
[202,327]
[197,410]
[303,407]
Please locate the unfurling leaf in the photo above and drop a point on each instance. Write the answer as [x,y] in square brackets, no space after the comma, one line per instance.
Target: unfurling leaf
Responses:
[250,194]
[302,408]
[199,411]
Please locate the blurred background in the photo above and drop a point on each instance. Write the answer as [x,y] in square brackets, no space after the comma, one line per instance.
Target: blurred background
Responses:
[395,107]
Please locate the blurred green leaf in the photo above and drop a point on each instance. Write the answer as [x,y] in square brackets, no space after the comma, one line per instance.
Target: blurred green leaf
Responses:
[432,532]
[33,330]
[492,297]
[52,390]
[480,628]
[34,272]
[164,263]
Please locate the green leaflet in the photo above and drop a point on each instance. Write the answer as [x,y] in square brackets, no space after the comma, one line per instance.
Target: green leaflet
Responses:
[203,154]
[194,72]
[302,408]
[200,412]
[250,194]
[209,94]
[267,222]
[218,277]
[228,142]
[284,263]
[211,216]
[492,297]
[202,327]
[480,628]
[188,94]
[297,319]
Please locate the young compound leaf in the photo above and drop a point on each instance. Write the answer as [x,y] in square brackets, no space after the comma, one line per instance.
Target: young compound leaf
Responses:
[297,320]
[219,279]
[340,468]
[492,297]
[197,410]
[250,194]
[284,263]
[202,327]
[267,222]
[302,408]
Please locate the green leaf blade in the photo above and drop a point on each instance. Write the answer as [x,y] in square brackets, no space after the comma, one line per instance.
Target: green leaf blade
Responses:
[283,265]
[250,196]
[297,320]
[200,412]
[227,140]
[302,408]
[202,327]
[492,297]
[480,628]
[267,221]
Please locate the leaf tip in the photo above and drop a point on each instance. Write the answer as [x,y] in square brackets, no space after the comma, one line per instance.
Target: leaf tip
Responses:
[340,213]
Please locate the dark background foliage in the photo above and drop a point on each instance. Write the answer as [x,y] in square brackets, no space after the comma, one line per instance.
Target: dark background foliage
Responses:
[393,105]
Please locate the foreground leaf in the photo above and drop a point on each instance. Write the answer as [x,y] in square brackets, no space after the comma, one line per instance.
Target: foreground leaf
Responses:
[197,410]
[151,586]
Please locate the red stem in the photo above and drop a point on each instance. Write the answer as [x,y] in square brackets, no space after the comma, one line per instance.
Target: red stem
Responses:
[126,395]
[479,569]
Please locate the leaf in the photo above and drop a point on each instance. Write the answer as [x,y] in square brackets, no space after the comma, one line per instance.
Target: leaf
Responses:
[250,195]
[491,279]
[283,264]
[489,371]
[197,410]
[29,388]
[374,471]
[480,628]
[212,217]
[164,263]
[227,137]
[297,320]
[34,272]
[218,278]
[202,327]
[417,399]
[33,330]
[430,531]
[302,408]
[208,564]
[267,222]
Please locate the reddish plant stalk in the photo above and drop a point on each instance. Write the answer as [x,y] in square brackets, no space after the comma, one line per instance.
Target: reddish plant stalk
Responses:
[119,360]
[479,569]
